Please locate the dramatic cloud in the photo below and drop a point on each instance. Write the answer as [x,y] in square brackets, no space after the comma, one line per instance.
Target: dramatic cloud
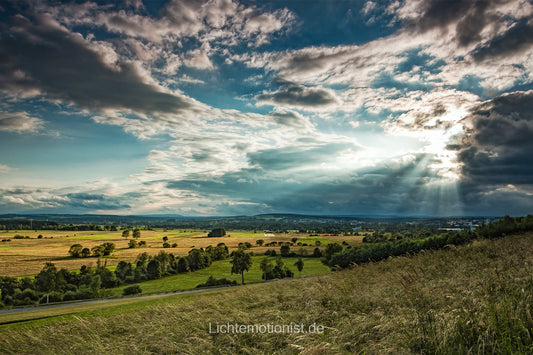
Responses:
[42,57]
[495,154]
[515,41]
[221,107]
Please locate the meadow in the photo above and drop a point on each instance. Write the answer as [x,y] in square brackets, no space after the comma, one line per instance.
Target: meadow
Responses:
[476,298]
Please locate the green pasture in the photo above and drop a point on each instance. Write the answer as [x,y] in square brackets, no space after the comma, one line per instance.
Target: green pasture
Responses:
[221,269]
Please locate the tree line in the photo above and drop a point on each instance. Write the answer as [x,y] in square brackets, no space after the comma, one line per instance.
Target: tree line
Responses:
[338,256]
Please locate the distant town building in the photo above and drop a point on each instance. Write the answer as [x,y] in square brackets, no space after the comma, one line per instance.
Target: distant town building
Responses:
[268,235]
[217,233]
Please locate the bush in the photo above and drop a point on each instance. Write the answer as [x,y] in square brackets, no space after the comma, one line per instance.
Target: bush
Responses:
[132,290]
[211,281]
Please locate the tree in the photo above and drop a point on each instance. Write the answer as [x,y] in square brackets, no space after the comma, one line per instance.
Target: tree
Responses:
[241,262]
[266,266]
[136,233]
[45,281]
[217,232]
[153,270]
[198,259]
[95,285]
[183,265]
[107,277]
[109,248]
[332,248]
[294,239]
[285,250]
[259,242]
[132,244]
[126,233]
[98,250]
[165,238]
[299,265]
[85,253]
[141,261]
[75,250]
[123,270]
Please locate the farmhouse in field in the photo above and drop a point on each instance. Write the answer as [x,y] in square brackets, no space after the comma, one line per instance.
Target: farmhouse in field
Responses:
[216,233]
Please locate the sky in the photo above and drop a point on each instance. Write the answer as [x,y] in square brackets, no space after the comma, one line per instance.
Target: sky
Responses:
[221,107]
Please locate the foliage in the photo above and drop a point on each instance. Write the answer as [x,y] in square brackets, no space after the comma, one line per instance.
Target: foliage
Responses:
[211,281]
[75,250]
[153,270]
[299,264]
[285,250]
[240,262]
[379,251]
[132,290]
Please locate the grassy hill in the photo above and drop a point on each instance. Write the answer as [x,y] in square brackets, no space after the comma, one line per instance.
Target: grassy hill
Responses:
[476,298]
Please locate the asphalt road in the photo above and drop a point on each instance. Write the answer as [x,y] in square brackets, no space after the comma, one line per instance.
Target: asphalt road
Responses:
[107,300]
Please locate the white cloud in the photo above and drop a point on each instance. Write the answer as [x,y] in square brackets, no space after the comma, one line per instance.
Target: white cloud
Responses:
[20,122]
[4,168]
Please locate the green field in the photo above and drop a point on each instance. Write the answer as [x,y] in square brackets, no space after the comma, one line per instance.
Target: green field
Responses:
[470,299]
[220,269]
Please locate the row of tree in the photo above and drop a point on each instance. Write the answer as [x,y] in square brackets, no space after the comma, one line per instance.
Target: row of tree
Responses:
[337,256]
[78,251]
[52,285]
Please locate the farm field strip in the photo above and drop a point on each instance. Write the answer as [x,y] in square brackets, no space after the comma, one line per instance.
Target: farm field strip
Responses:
[21,257]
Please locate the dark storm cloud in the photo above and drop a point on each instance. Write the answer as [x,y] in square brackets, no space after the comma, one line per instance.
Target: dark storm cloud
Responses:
[297,95]
[517,40]
[469,17]
[438,13]
[496,154]
[38,55]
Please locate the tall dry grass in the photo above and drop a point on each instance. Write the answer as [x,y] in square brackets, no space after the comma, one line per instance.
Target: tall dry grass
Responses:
[472,299]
